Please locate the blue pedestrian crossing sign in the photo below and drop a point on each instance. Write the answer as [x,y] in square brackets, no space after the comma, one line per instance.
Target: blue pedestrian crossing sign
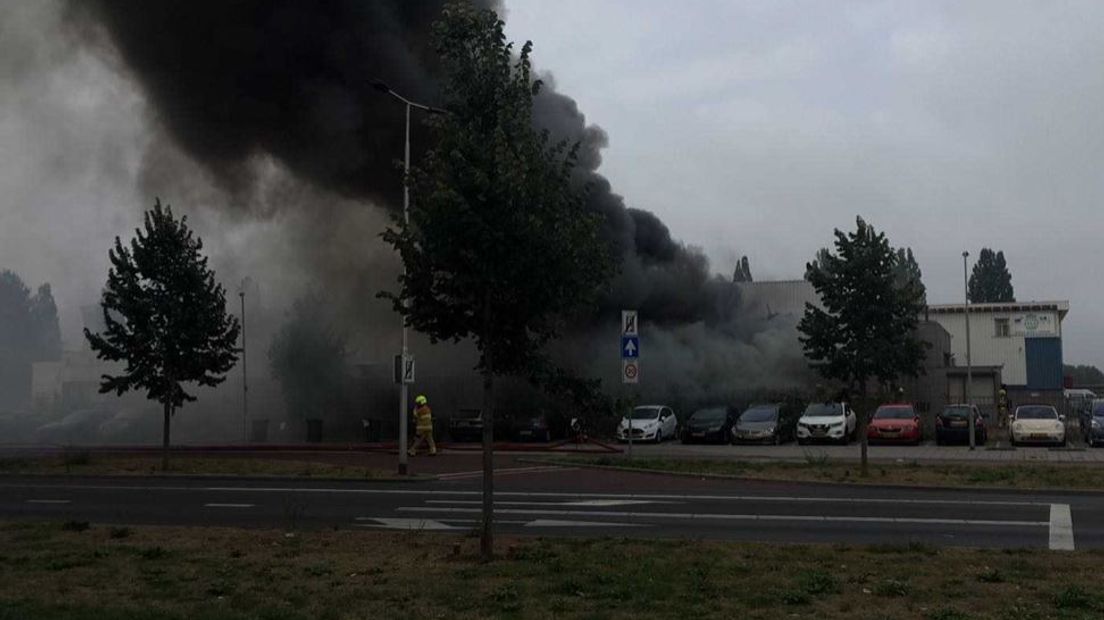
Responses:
[630,347]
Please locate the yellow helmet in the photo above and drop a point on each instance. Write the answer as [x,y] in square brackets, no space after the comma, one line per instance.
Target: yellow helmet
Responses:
[421,400]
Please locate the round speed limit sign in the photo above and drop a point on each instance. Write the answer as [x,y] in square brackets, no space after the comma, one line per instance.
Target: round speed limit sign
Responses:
[631,371]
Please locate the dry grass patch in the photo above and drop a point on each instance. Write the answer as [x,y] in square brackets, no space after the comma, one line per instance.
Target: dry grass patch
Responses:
[85,463]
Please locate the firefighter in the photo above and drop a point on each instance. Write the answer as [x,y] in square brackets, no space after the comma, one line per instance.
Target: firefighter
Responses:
[423,417]
[1002,407]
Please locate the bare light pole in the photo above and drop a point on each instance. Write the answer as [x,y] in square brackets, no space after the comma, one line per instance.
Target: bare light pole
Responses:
[969,363]
[403,389]
[245,374]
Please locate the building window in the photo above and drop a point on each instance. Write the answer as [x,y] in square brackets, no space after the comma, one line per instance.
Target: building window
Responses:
[1003,330]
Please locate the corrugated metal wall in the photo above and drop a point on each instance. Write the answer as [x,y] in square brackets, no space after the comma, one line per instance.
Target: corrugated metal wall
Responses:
[1044,363]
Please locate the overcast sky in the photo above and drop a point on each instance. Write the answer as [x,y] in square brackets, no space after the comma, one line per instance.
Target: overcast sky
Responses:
[757,127]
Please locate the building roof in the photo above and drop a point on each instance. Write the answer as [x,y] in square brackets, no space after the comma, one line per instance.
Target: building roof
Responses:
[1061,307]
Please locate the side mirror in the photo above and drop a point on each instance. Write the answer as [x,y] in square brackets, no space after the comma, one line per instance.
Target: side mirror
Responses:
[1062,417]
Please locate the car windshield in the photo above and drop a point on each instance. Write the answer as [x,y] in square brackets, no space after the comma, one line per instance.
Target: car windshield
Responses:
[956,412]
[645,413]
[894,413]
[709,415]
[764,413]
[818,409]
[1036,413]
[1098,409]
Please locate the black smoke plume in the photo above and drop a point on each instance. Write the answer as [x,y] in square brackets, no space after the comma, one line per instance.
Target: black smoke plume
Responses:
[292,79]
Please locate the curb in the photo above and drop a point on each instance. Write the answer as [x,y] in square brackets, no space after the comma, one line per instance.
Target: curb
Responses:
[852,485]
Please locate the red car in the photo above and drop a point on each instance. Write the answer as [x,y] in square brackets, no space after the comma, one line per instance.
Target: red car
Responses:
[898,423]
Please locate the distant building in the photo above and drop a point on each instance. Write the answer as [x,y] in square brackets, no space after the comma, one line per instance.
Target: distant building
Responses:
[776,300]
[1022,341]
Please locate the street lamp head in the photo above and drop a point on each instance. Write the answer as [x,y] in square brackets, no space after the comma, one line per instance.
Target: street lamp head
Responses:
[965,254]
[381,86]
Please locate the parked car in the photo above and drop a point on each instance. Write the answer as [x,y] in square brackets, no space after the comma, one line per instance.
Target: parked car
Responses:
[895,423]
[466,425]
[1038,424]
[711,424]
[531,428]
[79,427]
[1092,423]
[766,423]
[1078,400]
[826,422]
[953,425]
[649,423]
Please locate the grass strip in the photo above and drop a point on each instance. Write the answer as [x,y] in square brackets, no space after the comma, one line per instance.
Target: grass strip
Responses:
[53,572]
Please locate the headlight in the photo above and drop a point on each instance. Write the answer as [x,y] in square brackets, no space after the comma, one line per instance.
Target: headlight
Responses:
[770,430]
[837,425]
[714,429]
[1095,423]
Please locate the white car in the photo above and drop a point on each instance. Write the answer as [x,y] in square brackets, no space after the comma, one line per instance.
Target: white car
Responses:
[826,422]
[649,423]
[1038,424]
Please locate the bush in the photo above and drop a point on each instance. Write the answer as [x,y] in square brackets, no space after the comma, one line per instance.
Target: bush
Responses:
[892,587]
[1075,597]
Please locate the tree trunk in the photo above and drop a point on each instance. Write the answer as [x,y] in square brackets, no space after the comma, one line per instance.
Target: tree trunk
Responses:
[165,437]
[863,425]
[486,539]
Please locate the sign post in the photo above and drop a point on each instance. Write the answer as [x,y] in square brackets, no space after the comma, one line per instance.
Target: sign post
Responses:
[630,358]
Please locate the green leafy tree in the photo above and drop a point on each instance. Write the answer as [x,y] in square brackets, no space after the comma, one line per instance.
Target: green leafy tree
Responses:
[990,280]
[908,270]
[29,333]
[499,247]
[165,316]
[867,328]
[307,358]
[1084,374]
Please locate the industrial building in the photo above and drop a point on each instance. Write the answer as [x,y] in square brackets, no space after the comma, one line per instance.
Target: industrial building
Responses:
[1018,344]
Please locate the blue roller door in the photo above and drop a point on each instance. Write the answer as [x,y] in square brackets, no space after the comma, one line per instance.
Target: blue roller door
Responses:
[1044,363]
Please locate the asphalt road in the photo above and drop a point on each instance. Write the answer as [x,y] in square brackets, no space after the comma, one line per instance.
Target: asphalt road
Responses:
[549,501]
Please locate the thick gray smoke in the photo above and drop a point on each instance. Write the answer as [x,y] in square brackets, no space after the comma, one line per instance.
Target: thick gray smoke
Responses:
[292,80]
[258,120]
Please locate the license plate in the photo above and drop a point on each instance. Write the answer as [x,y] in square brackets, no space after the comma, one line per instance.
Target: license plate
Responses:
[820,433]
[526,433]
[697,434]
[1039,435]
[958,422]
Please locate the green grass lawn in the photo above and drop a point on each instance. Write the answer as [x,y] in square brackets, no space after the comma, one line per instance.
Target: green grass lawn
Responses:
[64,571]
[1009,475]
[83,462]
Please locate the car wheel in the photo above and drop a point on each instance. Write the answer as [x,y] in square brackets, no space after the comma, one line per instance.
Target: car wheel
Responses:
[777,439]
[801,441]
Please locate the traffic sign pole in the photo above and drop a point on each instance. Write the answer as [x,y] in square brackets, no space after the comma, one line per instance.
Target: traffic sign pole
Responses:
[630,359]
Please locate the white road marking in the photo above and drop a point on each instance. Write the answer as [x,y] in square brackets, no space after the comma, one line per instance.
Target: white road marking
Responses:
[557,523]
[228,505]
[640,496]
[588,502]
[1061,528]
[733,517]
[408,524]
[48,501]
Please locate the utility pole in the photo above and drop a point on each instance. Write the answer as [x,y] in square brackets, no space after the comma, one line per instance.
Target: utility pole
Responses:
[969,363]
[245,370]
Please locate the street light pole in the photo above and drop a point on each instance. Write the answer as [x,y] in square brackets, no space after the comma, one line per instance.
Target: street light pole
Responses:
[969,363]
[404,391]
[245,373]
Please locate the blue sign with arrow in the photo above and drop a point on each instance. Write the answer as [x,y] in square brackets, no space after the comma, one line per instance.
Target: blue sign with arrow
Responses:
[630,347]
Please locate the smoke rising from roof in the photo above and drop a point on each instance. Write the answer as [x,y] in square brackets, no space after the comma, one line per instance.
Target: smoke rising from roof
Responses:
[292,80]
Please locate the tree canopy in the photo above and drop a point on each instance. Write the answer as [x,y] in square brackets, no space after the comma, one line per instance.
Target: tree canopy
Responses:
[866,329]
[165,316]
[29,333]
[990,280]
